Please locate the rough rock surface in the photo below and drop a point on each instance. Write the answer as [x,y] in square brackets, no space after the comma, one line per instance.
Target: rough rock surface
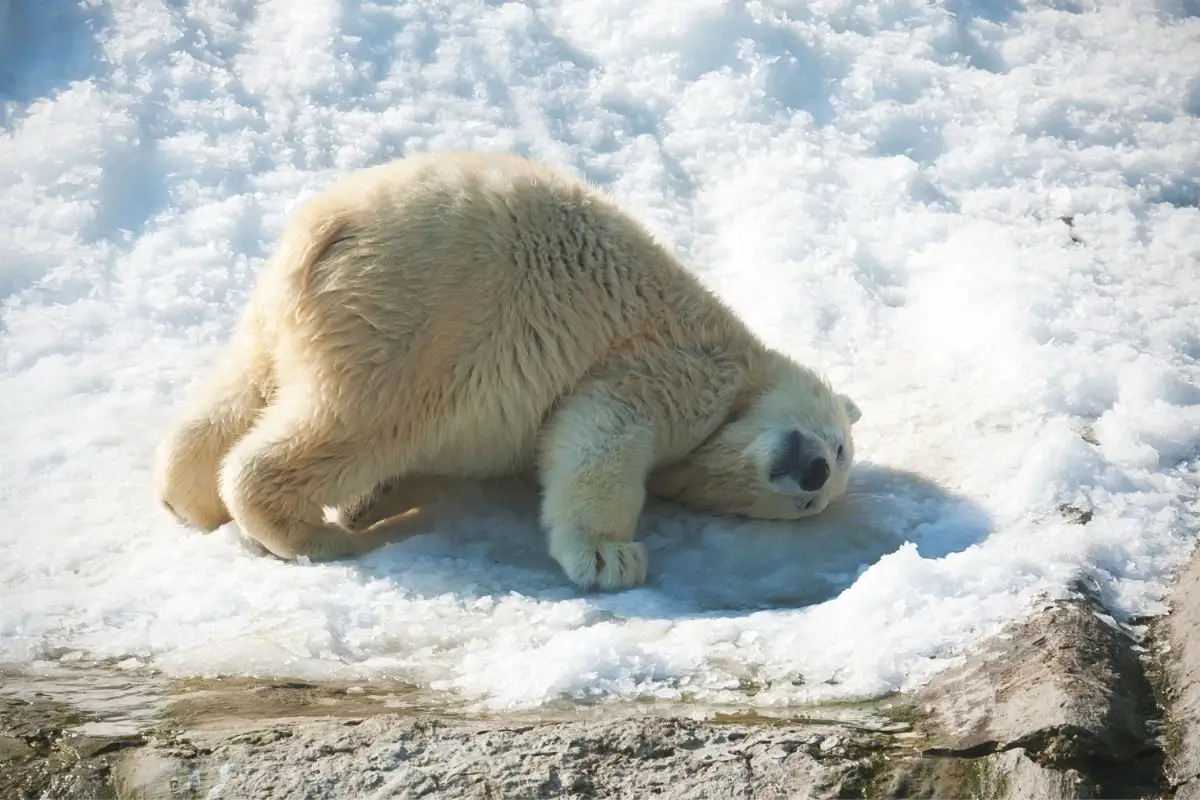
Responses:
[42,756]
[1057,706]
[389,756]
[1067,688]
[1005,775]
[1181,661]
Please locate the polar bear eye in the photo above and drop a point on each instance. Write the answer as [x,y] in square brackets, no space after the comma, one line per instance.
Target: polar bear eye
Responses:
[841,453]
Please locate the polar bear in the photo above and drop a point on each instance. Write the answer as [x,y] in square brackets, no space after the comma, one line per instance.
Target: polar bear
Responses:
[475,315]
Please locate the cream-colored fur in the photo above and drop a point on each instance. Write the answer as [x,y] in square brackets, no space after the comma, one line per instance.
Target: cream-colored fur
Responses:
[470,315]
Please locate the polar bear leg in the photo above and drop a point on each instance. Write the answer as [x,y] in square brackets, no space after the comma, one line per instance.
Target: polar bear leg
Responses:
[394,496]
[278,480]
[593,466]
[188,461]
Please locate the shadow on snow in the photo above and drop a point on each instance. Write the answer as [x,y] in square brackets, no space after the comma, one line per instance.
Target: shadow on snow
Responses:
[484,540]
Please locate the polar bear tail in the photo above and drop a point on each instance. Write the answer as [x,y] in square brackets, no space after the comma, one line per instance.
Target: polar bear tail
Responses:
[312,232]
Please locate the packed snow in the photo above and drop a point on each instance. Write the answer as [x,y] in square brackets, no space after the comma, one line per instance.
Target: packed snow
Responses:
[978,217]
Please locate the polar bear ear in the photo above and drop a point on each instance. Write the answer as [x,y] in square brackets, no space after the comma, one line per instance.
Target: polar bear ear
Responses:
[853,412]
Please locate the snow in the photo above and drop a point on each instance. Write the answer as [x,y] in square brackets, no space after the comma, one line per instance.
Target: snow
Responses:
[980,218]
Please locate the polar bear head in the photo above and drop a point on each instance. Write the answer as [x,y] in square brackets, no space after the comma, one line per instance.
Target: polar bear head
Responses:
[784,453]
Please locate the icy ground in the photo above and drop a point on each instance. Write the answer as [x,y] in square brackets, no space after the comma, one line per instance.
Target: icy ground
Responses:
[979,217]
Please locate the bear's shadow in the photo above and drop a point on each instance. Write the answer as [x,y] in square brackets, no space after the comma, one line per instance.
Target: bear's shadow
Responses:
[483,540]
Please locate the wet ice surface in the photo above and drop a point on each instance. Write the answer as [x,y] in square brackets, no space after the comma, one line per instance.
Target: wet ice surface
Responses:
[979,219]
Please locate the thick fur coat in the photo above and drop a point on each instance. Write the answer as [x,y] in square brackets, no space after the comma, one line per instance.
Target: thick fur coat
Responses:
[479,315]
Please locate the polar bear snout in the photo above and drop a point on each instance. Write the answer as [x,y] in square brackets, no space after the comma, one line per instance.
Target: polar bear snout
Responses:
[800,458]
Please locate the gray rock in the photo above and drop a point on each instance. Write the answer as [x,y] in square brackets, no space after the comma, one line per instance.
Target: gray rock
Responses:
[1066,691]
[1064,685]
[1012,775]
[39,759]
[14,749]
[1006,775]
[1055,707]
[154,773]
[1189,790]
[1181,661]
[394,756]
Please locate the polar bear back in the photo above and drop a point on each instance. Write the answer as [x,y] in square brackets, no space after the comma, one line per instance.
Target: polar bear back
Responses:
[487,284]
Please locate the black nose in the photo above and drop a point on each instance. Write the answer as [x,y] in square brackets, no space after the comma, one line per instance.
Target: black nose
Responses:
[815,475]
[801,461]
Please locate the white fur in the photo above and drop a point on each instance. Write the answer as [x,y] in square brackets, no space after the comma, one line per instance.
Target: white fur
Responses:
[466,315]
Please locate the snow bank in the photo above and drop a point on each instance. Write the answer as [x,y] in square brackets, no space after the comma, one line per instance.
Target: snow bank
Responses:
[979,218]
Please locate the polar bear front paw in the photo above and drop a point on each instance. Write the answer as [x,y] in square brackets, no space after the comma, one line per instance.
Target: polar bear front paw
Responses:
[604,564]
